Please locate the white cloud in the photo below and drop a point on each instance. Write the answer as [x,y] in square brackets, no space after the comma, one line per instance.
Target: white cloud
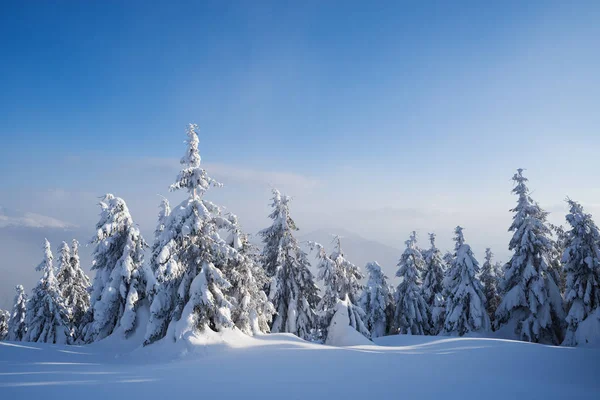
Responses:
[31,220]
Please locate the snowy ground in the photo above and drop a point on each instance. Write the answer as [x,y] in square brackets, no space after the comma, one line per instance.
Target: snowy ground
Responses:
[284,367]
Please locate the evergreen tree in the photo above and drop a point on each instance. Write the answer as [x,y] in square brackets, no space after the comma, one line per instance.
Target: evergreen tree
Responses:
[531,304]
[377,301]
[433,282]
[46,318]
[489,279]
[412,315]
[120,283]
[465,303]
[16,325]
[341,280]
[74,285]
[4,318]
[556,268]
[292,288]
[582,265]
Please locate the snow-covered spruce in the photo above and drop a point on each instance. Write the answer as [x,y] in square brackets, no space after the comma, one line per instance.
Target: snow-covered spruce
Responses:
[433,284]
[411,313]
[465,302]
[556,268]
[16,325]
[377,301]
[191,262]
[489,279]
[46,318]
[74,285]
[582,265]
[4,318]
[119,286]
[531,305]
[292,289]
[341,280]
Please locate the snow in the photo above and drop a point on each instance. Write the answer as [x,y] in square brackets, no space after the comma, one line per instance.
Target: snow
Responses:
[231,365]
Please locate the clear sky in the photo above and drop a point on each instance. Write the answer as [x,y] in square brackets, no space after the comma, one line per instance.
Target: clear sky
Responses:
[378,117]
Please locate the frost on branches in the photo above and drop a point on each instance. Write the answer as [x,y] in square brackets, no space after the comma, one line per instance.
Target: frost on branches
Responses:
[377,301]
[120,282]
[16,325]
[73,284]
[411,314]
[582,265]
[4,317]
[46,317]
[433,284]
[531,304]
[341,282]
[489,279]
[465,302]
[292,289]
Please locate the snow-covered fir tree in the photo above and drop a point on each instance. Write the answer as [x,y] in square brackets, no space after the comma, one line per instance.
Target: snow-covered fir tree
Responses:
[4,318]
[489,279]
[252,311]
[191,260]
[341,281]
[46,318]
[16,325]
[119,286]
[556,268]
[377,301]
[433,282]
[448,258]
[163,215]
[531,305]
[74,285]
[411,311]
[292,288]
[582,265]
[465,302]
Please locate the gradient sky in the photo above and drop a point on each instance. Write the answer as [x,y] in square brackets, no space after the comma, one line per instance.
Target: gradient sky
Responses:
[378,119]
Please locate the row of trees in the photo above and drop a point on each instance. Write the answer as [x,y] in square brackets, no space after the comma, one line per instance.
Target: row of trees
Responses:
[203,274]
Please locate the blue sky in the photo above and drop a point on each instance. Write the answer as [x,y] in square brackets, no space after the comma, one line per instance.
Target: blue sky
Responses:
[379,119]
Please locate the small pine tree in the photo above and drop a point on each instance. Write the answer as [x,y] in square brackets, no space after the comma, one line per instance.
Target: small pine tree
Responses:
[489,279]
[412,314]
[292,288]
[582,265]
[531,304]
[120,282]
[4,318]
[377,301]
[433,282]
[16,325]
[46,318]
[465,303]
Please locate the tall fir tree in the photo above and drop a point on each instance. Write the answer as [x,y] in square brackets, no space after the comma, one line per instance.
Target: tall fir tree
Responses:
[489,279]
[411,311]
[465,302]
[120,283]
[531,305]
[582,265]
[292,288]
[74,285]
[16,325]
[433,284]
[46,318]
[377,301]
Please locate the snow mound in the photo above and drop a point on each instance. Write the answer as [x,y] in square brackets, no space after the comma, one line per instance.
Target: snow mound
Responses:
[340,332]
[588,331]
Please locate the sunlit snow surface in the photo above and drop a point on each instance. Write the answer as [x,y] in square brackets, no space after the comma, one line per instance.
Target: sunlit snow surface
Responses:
[281,366]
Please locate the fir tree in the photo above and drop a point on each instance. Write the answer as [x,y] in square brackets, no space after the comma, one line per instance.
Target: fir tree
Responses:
[556,268]
[433,282]
[46,318]
[412,314]
[16,325]
[377,301]
[292,289]
[582,265]
[465,302]
[489,279]
[531,304]
[4,318]
[120,282]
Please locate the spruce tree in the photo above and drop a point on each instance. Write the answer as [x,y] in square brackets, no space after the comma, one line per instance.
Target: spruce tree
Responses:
[433,283]
[489,279]
[582,265]
[120,283]
[16,325]
[46,318]
[377,301]
[4,318]
[411,314]
[531,305]
[556,268]
[465,302]
[292,288]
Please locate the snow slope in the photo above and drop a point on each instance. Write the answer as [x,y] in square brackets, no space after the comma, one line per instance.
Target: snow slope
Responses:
[281,366]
